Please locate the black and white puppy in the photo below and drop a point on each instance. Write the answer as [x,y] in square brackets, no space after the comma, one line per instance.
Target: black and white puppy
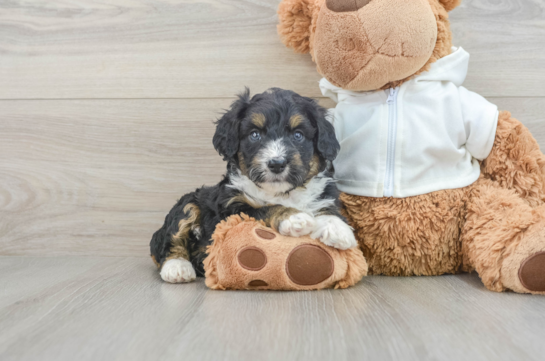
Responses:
[278,146]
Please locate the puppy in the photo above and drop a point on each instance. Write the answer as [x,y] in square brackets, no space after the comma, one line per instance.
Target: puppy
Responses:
[278,146]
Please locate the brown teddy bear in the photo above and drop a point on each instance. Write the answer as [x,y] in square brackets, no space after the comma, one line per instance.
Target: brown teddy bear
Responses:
[434,178]
[248,255]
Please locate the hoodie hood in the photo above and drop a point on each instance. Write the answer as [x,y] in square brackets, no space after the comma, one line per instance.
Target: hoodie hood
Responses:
[452,68]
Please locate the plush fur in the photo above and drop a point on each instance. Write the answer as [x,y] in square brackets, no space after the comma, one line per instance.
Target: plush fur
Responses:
[278,147]
[492,226]
[238,232]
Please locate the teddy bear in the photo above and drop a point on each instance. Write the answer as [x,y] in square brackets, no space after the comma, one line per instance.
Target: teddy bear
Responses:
[434,179]
[248,255]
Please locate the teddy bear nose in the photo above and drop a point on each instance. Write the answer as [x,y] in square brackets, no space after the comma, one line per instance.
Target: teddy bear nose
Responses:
[341,6]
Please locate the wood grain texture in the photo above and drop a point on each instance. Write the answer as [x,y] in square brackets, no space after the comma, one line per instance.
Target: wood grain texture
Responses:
[211,48]
[118,309]
[506,40]
[97,177]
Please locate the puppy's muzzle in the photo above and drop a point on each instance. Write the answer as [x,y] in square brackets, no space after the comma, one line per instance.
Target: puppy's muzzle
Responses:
[277,165]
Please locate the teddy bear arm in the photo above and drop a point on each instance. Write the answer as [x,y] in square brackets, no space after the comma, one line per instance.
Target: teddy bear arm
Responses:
[295,25]
[516,162]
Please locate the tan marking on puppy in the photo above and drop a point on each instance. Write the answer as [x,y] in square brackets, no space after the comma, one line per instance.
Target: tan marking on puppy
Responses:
[314,168]
[178,252]
[155,261]
[279,214]
[297,160]
[325,212]
[295,121]
[241,164]
[243,198]
[259,120]
[179,247]
[256,161]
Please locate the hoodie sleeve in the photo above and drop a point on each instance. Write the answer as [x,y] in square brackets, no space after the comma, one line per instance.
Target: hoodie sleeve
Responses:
[480,122]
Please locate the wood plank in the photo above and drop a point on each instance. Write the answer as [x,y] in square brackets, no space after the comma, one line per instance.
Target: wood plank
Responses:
[90,308]
[211,48]
[97,177]
[506,41]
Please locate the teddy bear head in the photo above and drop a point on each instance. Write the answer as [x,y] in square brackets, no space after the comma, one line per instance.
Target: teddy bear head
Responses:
[365,45]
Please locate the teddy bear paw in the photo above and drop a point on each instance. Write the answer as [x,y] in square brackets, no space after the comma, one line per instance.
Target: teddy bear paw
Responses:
[297,225]
[333,231]
[178,270]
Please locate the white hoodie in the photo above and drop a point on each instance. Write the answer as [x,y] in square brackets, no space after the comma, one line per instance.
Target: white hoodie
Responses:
[422,137]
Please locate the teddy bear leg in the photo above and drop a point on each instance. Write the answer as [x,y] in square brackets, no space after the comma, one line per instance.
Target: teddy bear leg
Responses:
[504,239]
[516,162]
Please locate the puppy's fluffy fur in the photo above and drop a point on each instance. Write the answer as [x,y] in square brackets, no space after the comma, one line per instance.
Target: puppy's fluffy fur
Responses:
[278,146]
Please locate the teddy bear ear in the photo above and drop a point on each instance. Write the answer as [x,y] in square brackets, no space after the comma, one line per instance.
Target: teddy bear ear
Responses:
[295,18]
[450,4]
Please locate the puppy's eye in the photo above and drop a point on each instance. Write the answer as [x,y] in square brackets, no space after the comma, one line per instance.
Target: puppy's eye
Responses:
[255,136]
[298,136]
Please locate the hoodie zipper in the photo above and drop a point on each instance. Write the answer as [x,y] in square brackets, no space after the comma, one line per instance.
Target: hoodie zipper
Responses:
[391,145]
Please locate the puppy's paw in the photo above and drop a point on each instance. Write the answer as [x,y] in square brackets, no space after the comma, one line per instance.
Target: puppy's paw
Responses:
[332,231]
[177,270]
[297,225]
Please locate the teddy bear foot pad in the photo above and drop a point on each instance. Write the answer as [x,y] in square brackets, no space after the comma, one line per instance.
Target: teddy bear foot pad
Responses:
[306,265]
[532,272]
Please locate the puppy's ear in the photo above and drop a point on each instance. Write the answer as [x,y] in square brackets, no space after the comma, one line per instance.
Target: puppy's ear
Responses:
[325,140]
[450,4]
[296,23]
[226,139]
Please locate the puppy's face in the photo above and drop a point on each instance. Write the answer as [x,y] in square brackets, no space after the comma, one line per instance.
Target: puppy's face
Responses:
[276,148]
[278,139]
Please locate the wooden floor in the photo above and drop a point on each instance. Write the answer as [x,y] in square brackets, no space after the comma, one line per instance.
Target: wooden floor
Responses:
[103,308]
[106,111]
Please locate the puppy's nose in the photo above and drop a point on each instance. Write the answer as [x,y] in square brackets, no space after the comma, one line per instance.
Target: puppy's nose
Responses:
[342,6]
[277,165]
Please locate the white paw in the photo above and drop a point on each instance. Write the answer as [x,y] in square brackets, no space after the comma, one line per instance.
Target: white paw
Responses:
[177,270]
[298,225]
[332,231]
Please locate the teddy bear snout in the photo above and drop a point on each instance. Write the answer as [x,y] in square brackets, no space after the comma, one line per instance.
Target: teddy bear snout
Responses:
[342,6]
